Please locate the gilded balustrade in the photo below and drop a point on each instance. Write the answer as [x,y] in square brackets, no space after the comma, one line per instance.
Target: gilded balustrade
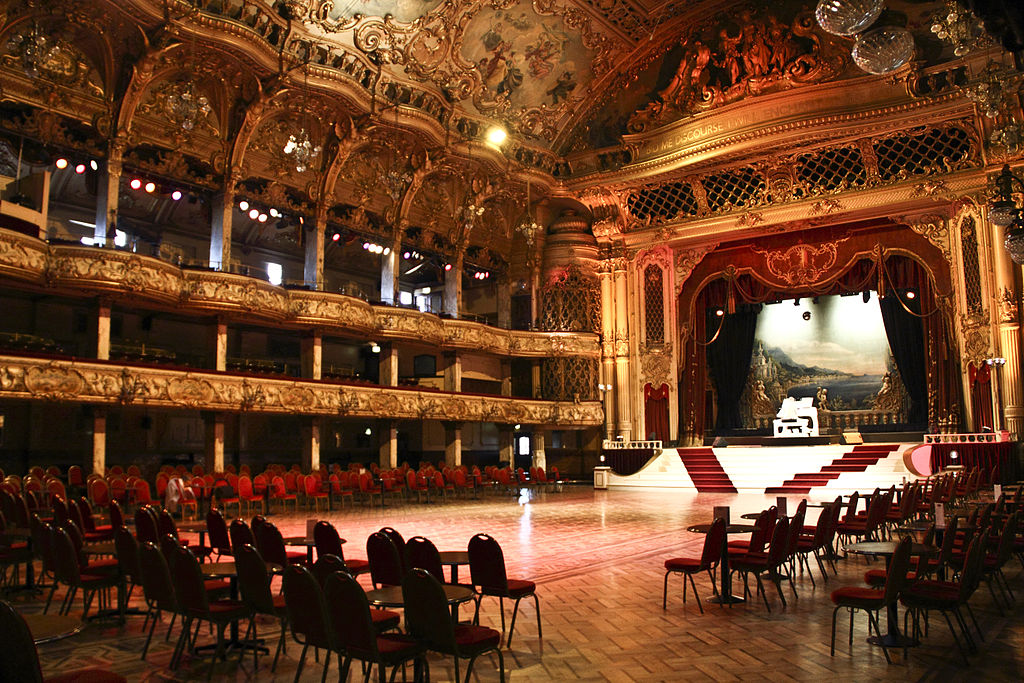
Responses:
[80,270]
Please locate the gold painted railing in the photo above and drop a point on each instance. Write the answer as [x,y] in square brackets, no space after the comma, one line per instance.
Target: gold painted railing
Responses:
[81,270]
[106,383]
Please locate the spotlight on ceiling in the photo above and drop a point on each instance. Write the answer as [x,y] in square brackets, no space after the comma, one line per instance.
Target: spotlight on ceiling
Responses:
[61,163]
[80,169]
[135,184]
[335,237]
[254,214]
[243,205]
[176,195]
[94,165]
[496,136]
[447,267]
[911,294]
[150,187]
[262,218]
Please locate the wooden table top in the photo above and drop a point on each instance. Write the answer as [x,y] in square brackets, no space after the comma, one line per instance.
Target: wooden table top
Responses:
[729,529]
[225,570]
[453,557]
[46,628]
[888,548]
[391,596]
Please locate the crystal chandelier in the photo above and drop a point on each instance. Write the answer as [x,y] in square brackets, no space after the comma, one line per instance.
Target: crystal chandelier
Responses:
[883,49]
[395,183]
[1003,212]
[35,48]
[187,105]
[1007,137]
[958,26]
[302,150]
[988,91]
[847,17]
[470,212]
[528,228]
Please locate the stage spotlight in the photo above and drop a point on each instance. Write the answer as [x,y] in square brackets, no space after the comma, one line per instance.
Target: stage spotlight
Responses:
[262,218]
[866,295]
[243,205]
[274,213]
[80,169]
[447,267]
[94,165]
[406,255]
[335,237]
[911,294]
[176,195]
[135,184]
[719,312]
[254,214]
[150,187]
[61,163]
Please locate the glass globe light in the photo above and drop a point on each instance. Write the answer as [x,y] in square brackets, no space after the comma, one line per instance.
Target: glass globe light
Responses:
[847,17]
[1015,242]
[884,49]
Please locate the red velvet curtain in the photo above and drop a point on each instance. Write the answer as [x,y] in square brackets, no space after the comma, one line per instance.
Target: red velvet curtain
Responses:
[656,412]
[980,382]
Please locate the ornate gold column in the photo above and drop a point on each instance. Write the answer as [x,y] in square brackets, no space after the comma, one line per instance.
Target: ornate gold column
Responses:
[506,444]
[103,330]
[622,382]
[506,377]
[108,191]
[388,365]
[1007,379]
[99,440]
[220,228]
[452,371]
[453,443]
[607,346]
[312,355]
[316,244]
[219,340]
[453,285]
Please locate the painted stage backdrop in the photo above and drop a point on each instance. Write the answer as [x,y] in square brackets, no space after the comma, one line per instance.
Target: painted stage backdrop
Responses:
[834,350]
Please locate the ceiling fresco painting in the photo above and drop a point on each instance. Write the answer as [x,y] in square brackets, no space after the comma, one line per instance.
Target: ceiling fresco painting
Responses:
[405,11]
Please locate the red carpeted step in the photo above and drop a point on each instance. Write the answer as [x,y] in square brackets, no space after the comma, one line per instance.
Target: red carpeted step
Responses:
[857,460]
[705,471]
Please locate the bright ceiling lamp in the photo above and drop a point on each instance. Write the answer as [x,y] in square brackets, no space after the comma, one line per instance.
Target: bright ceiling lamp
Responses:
[496,136]
[884,49]
[847,17]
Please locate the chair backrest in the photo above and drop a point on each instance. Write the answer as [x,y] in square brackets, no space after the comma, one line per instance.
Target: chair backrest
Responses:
[60,510]
[762,530]
[487,563]
[74,515]
[896,576]
[188,579]
[218,530]
[145,525]
[278,487]
[796,525]
[116,515]
[349,612]
[65,555]
[307,611]
[426,612]
[270,543]
[851,510]
[165,523]
[41,544]
[253,580]
[241,534]
[142,494]
[713,541]
[245,486]
[326,539]
[779,543]
[75,476]
[421,553]
[326,565]
[385,562]
[126,549]
[312,485]
[20,661]
[974,559]
[399,542]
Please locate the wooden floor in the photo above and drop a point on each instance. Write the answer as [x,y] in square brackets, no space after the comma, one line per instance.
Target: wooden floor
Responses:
[597,559]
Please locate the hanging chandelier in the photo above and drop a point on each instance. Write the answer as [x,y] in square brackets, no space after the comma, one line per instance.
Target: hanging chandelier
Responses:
[395,182]
[528,228]
[35,49]
[469,214]
[989,89]
[1007,137]
[878,50]
[187,105]
[1004,212]
[959,27]
[302,150]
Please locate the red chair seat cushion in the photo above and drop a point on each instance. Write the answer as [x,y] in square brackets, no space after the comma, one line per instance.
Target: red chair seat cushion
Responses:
[391,644]
[683,564]
[858,596]
[384,619]
[297,556]
[108,566]
[357,566]
[216,585]
[520,587]
[227,607]
[476,638]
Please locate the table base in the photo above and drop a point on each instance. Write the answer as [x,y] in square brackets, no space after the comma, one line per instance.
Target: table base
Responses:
[895,640]
[727,600]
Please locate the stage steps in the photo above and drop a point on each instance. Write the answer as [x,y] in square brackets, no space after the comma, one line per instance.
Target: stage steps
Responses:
[706,472]
[857,460]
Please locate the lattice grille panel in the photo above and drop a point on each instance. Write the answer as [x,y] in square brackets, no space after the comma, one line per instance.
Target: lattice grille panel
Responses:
[663,202]
[569,379]
[572,304]
[741,188]
[936,150]
[972,270]
[654,304]
[829,170]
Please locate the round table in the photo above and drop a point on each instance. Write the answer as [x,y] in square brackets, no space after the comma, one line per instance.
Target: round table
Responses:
[391,596]
[725,595]
[886,549]
[454,558]
[46,628]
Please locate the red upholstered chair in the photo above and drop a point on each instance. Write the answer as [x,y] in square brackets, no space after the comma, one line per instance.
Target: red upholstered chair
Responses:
[254,587]
[487,568]
[271,546]
[248,496]
[428,620]
[385,561]
[165,526]
[20,661]
[69,573]
[279,492]
[415,484]
[870,600]
[707,562]
[241,534]
[217,528]
[357,634]
[421,553]
[367,489]
[328,542]
[769,563]
[338,491]
[314,494]
[307,614]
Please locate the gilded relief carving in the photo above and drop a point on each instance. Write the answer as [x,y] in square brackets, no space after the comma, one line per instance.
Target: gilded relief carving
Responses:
[687,260]
[800,264]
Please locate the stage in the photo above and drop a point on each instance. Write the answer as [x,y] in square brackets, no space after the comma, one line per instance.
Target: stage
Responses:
[815,469]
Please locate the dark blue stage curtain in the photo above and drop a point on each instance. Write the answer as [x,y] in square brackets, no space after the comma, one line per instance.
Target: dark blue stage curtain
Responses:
[729,360]
[906,341]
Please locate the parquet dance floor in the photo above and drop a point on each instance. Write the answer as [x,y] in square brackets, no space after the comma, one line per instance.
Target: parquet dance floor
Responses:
[597,559]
